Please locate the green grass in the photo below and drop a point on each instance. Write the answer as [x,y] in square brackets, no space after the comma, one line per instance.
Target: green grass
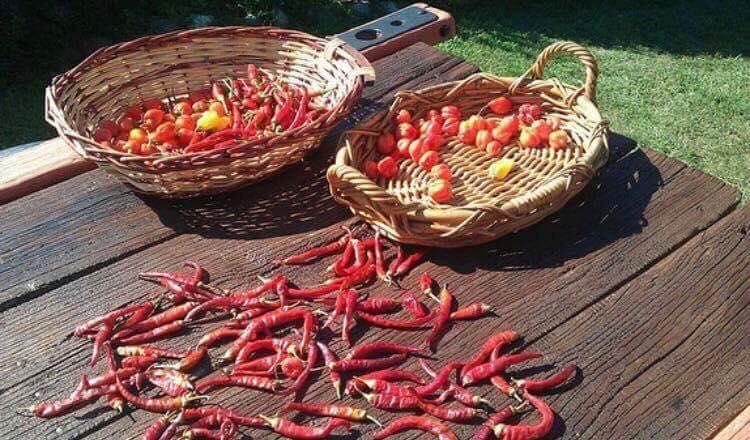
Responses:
[675,76]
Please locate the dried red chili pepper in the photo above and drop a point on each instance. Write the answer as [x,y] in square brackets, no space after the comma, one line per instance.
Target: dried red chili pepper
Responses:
[440,381]
[168,316]
[539,385]
[326,410]
[379,321]
[275,344]
[271,320]
[421,423]
[299,382]
[485,430]
[379,265]
[156,429]
[499,381]
[458,392]
[380,386]
[244,381]
[147,350]
[528,432]
[496,367]
[425,284]
[378,305]
[301,116]
[329,357]
[457,415]
[264,364]
[160,405]
[501,339]
[139,362]
[225,303]
[217,335]
[154,334]
[340,265]
[392,401]
[339,307]
[415,307]
[102,336]
[382,348]
[443,318]
[395,262]
[315,253]
[368,364]
[350,305]
[83,395]
[81,329]
[289,429]
[409,263]
[172,382]
[189,414]
[189,361]
[390,375]
[472,311]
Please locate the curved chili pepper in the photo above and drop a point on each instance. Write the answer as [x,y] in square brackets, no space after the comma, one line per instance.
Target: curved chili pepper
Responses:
[227,303]
[421,423]
[327,410]
[109,377]
[395,262]
[440,381]
[170,315]
[139,362]
[156,429]
[409,263]
[271,320]
[485,430]
[379,321]
[539,385]
[340,265]
[217,335]
[339,307]
[275,344]
[160,405]
[81,329]
[501,339]
[378,305]
[391,401]
[188,286]
[368,364]
[188,362]
[301,116]
[82,396]
[314,292]
[283,113]
[190,414]
[391,375]
[299,382]
[265,364]
[528,432]
[246,315]
[472,311]
[267,285]
[172,382]
[443,318]
[496,367]
[329,357]
[415,307]
[139,315]
[381,348]
[499,381]
[380,386]
[379,265]
[458,392]
[152,335]
[244,381]
[102,336]
[458,415]
[237,122]
[289,429]
[425,284]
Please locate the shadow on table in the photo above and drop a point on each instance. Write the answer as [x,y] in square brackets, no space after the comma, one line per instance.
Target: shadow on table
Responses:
[610,208]
[294,201]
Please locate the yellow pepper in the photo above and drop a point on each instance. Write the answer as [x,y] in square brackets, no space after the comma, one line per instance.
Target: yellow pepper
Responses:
[212,121]
[500,169]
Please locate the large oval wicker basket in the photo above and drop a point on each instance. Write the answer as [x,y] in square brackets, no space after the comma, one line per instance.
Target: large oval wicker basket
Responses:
[174,64]
[482,210]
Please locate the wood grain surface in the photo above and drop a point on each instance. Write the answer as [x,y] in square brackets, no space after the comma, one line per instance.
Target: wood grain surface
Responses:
[641,280]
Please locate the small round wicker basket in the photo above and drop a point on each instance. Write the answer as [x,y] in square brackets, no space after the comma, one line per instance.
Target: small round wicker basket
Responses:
[482,210]
[175,64]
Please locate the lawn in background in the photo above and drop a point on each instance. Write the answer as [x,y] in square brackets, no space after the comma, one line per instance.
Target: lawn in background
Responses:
[675,76]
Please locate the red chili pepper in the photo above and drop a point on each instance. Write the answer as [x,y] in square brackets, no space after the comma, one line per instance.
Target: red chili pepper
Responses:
[237,122]
[230,302]
[271,320]
[326,410]
[350,305]
[217,335]
[152,335]
[496,367]
[315,253]
[340,265]
[382,349]
[443,318]
[485,430]
[457,415]
[301,116]
[276,344]
[189,361]
[211,141]
[421,423]
[244,381]
[396,262]
[390,375]
[501,339]
[139,362]
[265,364]
[380,386]
[184,286]
[312,359]
[440,381]
[499,381]
[339,307]
[458,392]
[539,385]
[425,284]
[159,405]
[314,292]
[156,429]
[415,307]
[267,285]
[289,429]
[79,398]
[111,316]
[409,263]
[170,315]
[378,305]
[148,350]
[329,357]
[109,377]
[189,414]
[528,432]
[102,336]
[368,364]
[472,311]
[139,315]
[172,382]
[379,321]
[283,113]
[392,401]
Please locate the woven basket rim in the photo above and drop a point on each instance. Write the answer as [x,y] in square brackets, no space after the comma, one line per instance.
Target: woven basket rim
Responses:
[146,164]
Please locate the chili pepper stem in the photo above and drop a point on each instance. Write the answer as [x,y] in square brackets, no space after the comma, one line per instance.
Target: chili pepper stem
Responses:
[374,420]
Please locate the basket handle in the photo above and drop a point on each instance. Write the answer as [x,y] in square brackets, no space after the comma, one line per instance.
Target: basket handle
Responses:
[536,71]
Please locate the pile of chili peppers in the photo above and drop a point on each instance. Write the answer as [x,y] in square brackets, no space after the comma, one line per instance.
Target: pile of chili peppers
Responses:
[257,354]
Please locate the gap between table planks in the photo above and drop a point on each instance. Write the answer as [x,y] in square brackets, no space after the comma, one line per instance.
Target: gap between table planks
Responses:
[626,198]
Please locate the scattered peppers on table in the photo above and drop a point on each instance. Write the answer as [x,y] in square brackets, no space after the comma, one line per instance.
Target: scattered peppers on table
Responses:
[135,340]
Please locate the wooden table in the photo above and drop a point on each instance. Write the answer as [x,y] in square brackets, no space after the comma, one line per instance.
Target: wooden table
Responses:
[642,281]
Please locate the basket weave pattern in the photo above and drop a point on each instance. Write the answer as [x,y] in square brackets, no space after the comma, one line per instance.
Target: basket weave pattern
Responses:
[178,63]
[542,181]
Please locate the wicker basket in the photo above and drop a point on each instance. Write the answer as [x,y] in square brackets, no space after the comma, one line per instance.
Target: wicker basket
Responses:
[174,64]
[482,210]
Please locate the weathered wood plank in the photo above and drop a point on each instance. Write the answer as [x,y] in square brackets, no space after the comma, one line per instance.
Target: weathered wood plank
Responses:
[537,279]
[70,229]
[737,429]
[667,355]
